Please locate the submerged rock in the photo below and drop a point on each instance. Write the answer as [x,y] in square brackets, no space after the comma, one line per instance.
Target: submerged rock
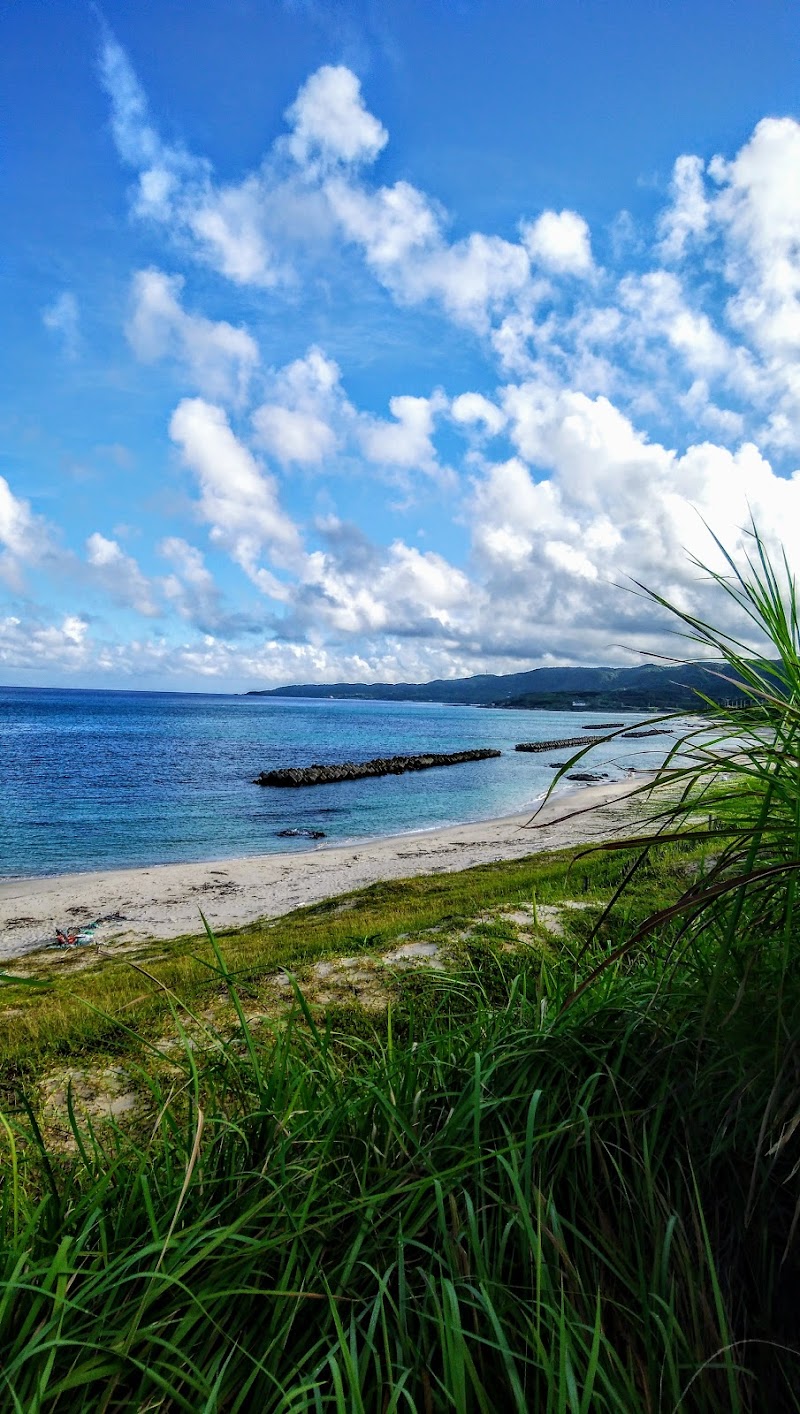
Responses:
[300,834]
[317,774]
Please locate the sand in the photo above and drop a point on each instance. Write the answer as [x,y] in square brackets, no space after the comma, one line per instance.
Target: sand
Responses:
[164,901]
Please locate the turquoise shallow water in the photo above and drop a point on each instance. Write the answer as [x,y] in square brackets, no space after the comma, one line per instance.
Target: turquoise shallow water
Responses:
[98,780]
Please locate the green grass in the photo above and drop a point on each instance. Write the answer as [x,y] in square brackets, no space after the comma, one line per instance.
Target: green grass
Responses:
[510,1206]
[91,1006]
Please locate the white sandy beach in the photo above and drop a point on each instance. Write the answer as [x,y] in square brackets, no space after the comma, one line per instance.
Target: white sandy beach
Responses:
[164,901]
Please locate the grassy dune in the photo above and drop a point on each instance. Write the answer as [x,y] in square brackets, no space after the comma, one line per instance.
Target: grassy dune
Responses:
[97,998]
[474,1200]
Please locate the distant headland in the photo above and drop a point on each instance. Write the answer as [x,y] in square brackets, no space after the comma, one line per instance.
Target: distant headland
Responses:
[650,687]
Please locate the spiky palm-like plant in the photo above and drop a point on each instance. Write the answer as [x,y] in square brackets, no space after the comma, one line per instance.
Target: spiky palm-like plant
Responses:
[736,771]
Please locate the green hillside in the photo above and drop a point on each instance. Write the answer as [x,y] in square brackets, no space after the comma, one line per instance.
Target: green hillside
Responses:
[674,687]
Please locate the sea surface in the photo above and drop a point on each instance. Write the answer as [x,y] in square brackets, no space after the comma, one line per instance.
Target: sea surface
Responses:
[100,780]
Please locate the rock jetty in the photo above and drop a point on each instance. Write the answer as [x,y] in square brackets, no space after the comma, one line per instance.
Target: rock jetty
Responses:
[559,745]
[654,731]
[319,775]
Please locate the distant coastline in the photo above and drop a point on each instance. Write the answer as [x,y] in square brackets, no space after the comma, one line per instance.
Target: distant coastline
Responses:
[680,687]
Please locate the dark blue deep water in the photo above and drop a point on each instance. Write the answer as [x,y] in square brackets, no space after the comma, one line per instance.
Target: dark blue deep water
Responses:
[94,780]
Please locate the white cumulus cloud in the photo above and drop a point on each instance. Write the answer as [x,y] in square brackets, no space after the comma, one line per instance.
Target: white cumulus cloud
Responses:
[329,120]
[24,537]
[474,410]
[407,440]
[218,357]
[687,216]
[638,397]
[238,497]
[560,241]
[297,421]
[758,206]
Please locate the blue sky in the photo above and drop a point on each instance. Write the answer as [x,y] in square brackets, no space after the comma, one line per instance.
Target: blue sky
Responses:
[353,340]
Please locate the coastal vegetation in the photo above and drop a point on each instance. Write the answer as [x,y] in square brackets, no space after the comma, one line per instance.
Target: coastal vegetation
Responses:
[524,1137]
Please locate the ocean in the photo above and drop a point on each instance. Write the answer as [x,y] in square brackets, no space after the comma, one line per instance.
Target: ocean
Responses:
[101,780]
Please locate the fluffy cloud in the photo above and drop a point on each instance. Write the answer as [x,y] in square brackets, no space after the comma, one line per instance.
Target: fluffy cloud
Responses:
[612,378]
[392,224]
[687,216]
[474,279]
[399,231]
[560,241]
[39,649]
[406,441]
[612,505]
[219,359]
[658,305]
[330,122]
[474,410]
[224,224]
[238,228]
[193,593]
[191,571]
[308,420]
[483,281]
[758,206]
[29,643]
[353,587]
[24,538]
[238,498]
[18,532]
[120,575]
[746,210]
[294,424]
[293,435]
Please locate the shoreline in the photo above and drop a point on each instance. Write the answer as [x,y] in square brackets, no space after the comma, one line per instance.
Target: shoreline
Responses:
[163,901]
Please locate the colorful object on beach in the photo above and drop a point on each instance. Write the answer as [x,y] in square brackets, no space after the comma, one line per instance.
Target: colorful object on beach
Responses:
[73,937]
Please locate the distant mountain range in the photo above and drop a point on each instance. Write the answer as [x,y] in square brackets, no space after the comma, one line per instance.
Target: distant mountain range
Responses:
[650,687]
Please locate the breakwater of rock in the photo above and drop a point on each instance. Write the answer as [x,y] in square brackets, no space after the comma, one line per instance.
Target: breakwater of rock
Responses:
[560,745]
[654,731]
[319,775]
